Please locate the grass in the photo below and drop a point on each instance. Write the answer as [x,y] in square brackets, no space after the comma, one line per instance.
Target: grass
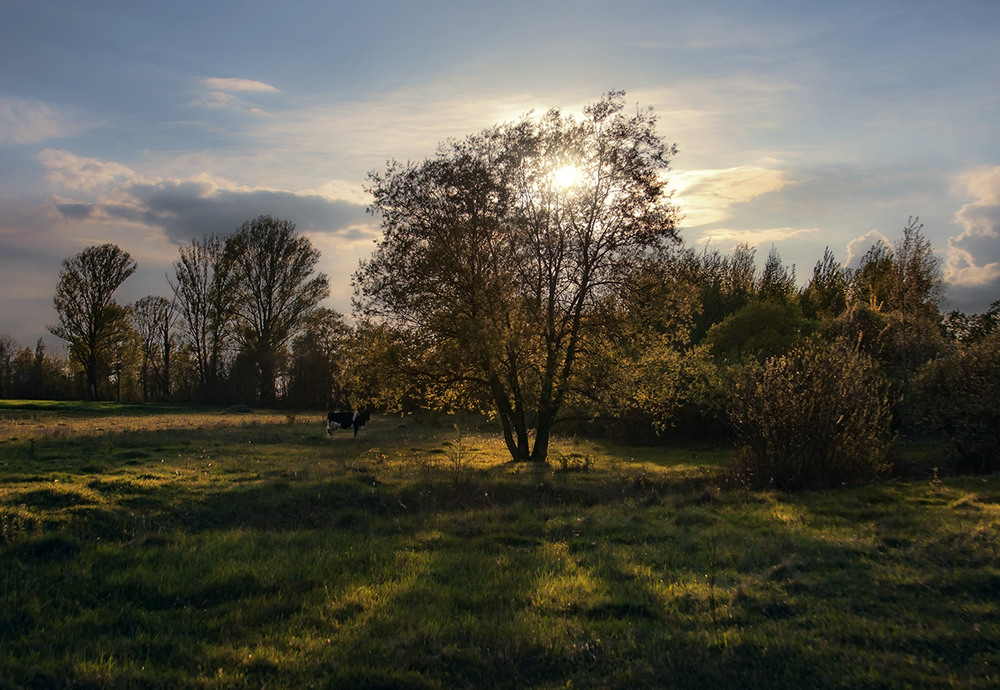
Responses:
[146,546]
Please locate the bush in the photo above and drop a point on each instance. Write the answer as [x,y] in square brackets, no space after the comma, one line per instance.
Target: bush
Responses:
[816,417]
[957,396]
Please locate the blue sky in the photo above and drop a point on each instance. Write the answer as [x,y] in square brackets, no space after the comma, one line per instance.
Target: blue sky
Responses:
[800,124]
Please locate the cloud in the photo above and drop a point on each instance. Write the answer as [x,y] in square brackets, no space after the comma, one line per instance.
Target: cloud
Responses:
[705,196]
[24,121]
[184,209]
[730,237]
[72,172]
[972,267]
[859,246]
[220,93]
[237,84]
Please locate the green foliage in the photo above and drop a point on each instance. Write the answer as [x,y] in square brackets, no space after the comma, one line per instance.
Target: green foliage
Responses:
[640,369]
[492,263]
[816,417]
[957,396]
[759,330]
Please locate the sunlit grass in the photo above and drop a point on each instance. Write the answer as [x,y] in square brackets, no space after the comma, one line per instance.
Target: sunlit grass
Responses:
[146,546]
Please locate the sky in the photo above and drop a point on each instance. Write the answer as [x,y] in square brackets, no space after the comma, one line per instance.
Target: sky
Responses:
[800,124]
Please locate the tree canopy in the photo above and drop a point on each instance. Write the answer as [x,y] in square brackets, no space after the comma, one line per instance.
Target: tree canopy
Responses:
[89,318]
[493,251]
[274,289]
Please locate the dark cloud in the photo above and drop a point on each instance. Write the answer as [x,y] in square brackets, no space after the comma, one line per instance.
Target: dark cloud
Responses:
[186,210]
[75,211]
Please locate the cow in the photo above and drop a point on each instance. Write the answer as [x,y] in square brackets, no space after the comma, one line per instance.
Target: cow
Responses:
[346,420]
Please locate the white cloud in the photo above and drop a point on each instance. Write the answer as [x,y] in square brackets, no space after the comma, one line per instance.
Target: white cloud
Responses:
[341,190]
[72,172]
[859,246]
[973,263]
[24,121]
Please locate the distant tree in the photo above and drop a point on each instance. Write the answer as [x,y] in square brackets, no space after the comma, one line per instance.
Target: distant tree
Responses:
[318,360]
[920,282]
[826,294]
[8,350]
[971,328]
[38,375]
[739,278]
[492,256]
[123,364]
[894,313]
[90,320]
[777,281]
[874,283]
[206,300]
[153,319]
[275,290]
[726,284]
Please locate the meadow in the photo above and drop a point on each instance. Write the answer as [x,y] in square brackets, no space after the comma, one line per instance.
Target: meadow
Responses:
[146,546]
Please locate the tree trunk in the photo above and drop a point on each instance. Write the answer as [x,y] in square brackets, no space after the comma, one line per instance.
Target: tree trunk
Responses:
[540,452]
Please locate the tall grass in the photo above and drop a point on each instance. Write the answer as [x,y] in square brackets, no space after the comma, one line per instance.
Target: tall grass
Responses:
[200,549]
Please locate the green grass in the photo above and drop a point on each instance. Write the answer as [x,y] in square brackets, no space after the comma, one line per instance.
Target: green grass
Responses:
[147,546]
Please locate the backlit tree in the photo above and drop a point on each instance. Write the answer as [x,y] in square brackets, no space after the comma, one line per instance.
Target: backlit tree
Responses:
[494,252]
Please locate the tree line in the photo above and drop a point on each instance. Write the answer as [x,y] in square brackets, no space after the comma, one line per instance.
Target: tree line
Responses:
[533,272]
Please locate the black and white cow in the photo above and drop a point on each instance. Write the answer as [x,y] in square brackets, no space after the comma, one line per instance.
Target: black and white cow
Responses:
[346,420]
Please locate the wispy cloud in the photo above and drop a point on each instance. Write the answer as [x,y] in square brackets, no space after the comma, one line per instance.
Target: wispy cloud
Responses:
[730,237]
[24,121]
[230,84]
[221,93]
[705,196]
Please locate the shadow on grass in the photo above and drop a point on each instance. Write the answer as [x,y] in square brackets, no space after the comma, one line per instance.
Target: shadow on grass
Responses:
[324,568]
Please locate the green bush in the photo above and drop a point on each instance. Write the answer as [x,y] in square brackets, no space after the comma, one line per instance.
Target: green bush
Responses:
[957,396]
[816,417]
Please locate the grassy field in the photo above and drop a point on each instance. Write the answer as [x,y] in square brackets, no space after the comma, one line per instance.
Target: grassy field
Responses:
[146,546]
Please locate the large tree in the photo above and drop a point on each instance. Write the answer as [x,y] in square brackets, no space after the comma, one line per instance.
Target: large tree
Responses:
[205,299]
[495,251]
[275,289]
[153,318]
[90,320]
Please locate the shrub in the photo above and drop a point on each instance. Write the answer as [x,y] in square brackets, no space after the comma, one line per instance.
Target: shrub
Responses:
[957,396]
[816,417]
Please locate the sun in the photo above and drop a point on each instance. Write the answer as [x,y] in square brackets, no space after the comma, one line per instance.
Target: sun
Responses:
[567,176]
